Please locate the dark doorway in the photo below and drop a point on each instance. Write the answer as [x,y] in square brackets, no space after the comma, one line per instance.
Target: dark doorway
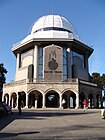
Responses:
[52,99]
[40,100]
[81,99]
[90,101]
[31,100]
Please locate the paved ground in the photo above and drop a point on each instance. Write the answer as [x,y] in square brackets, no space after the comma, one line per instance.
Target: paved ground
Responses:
[53,124]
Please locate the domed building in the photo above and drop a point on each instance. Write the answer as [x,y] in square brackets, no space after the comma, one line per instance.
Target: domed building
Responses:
[51,67]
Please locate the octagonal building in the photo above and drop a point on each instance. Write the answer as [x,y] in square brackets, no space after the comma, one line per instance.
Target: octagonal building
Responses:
[52,66]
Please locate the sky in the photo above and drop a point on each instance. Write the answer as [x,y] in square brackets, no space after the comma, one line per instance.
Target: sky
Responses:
[18,16]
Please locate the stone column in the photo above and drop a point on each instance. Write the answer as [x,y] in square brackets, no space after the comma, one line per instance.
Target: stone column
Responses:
[26,101]
[6,99]
[36,101]
[68,102]
[35,63]
[77,101]
[43,106]
[18,62]
[60,101]
[12,102]
[17,100]
[9,100]
[3,97]
[69,69]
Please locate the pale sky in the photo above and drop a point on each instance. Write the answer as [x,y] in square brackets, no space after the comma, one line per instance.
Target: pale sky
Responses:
[87,18]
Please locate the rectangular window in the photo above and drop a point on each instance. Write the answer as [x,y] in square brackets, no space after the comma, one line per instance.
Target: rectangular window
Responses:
[80,58]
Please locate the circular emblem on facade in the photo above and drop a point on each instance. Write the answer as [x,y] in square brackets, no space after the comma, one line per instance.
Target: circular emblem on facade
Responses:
[53,65]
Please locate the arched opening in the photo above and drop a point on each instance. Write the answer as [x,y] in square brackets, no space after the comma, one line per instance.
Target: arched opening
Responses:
[81,99]
[39,100]
[31,101]
[23,99]
[64,97]
[13,102]
[98,101]
[35,99]
[6,98]
[52,99]
[90,101]
[72,100]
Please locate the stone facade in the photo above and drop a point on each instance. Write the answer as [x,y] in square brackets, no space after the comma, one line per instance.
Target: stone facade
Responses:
[76,89]
[52,63]
[52,68]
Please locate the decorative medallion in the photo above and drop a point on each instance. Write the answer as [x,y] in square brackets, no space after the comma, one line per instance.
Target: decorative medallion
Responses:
[53,65]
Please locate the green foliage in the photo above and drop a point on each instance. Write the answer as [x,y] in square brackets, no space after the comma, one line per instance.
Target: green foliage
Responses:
[3,71]
[98,79]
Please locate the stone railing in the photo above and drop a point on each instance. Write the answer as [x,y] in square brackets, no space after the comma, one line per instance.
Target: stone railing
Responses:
[20,82]
[71,80]
[32,81]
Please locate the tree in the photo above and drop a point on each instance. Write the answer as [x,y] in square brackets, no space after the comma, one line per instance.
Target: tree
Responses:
[98,79]
[103,80]
[3,71]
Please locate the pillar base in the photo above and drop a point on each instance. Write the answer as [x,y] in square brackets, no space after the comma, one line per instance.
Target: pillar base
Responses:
[77,107]
[35,80]
[26,107]
[60,107]
[44,107]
